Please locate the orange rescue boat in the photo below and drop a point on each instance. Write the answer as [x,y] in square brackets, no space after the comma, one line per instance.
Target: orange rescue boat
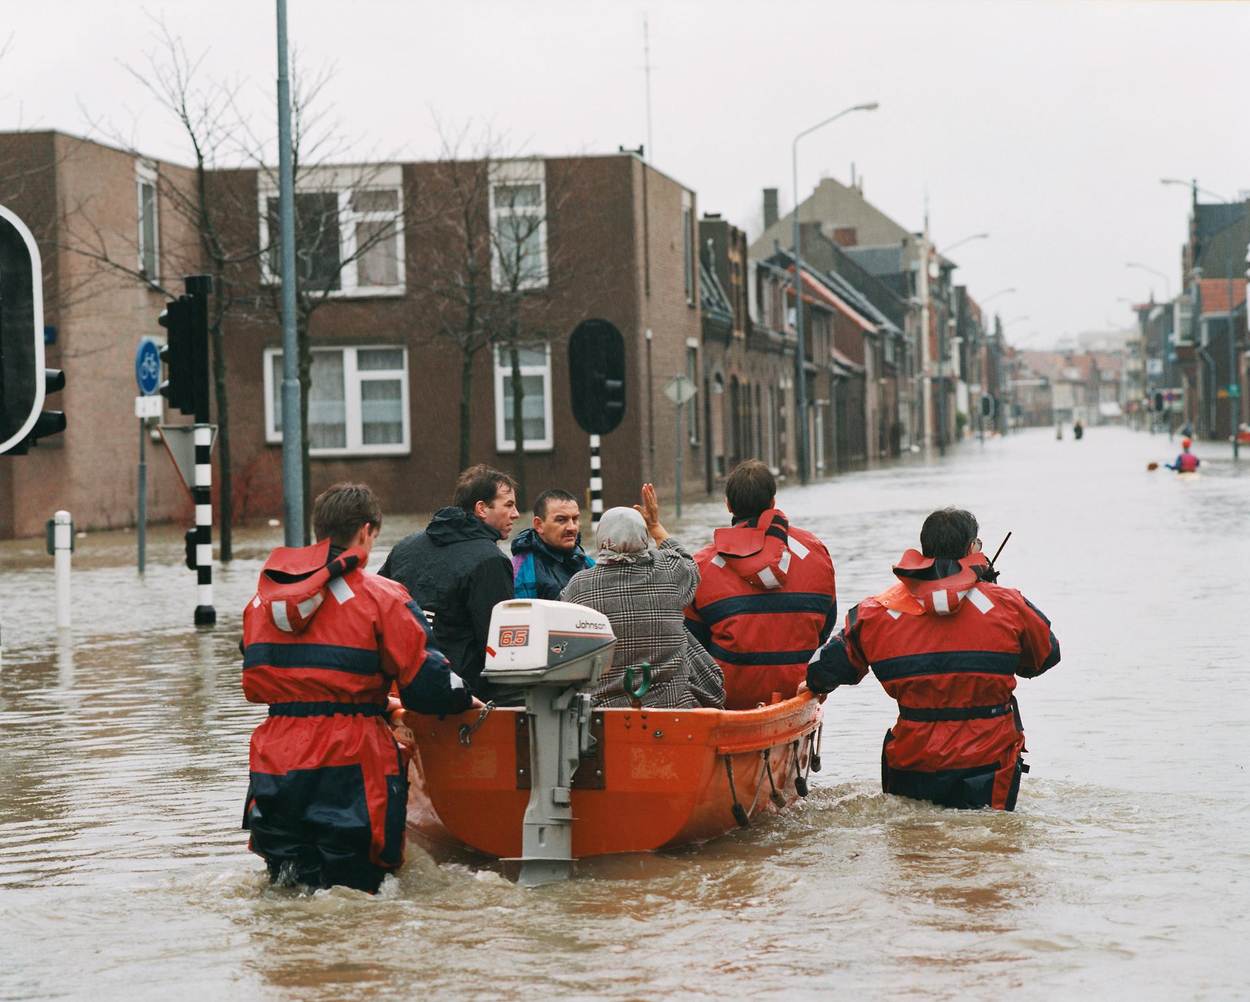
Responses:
[653,779]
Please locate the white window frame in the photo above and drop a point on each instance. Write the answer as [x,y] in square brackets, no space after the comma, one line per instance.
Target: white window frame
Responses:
[503,368]
[353,414]
[344,182]
[146,174]
[512,172]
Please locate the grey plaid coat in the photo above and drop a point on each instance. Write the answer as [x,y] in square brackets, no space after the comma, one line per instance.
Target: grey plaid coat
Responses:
[644,599]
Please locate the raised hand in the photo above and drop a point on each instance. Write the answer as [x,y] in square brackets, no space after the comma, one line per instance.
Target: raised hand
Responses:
[650,512]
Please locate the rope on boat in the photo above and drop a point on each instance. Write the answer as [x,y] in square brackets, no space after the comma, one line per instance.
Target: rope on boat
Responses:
[800,781]
[814,761]
[468,730]
[776,797]
[740,814]
[743,815]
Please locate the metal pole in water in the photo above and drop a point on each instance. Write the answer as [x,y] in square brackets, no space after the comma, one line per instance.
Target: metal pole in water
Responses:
[596,483]
[143,494]
[62,547]
[202,495]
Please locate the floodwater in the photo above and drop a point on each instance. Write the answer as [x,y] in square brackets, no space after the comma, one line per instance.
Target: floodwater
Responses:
[1125,872]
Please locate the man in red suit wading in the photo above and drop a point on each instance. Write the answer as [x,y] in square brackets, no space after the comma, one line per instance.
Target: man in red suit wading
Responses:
[947,643]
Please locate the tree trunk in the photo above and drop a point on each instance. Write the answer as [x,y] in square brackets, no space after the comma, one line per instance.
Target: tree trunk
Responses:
[223,434]
[518,425]
[466,412]
[305,386]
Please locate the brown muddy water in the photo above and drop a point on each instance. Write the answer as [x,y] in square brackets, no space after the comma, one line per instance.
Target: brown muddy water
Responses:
[1125,872]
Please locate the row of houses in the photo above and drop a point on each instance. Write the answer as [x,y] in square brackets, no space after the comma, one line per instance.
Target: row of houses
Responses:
[431,291]
[1190,354]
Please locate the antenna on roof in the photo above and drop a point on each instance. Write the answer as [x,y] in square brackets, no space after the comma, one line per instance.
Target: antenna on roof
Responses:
[646,58]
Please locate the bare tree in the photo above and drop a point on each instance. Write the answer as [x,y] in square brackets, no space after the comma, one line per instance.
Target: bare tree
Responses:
[350,224]
[206,113]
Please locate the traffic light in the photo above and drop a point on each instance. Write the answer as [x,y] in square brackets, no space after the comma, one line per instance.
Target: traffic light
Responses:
[987,405]
[185,352]
[24,381]
[1158,401]
[597,376]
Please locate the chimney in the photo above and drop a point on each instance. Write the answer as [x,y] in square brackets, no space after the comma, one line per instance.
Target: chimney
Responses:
[770,207]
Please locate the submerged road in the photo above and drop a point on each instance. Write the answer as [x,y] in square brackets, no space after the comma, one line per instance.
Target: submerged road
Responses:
[1125,872]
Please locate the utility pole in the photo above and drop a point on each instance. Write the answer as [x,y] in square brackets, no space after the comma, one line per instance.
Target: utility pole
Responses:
[292,433]
[926,361]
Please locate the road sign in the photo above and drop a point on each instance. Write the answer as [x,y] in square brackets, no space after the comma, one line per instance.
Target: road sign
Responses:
[179,439]
[148,406]
[680,389]
[148,366]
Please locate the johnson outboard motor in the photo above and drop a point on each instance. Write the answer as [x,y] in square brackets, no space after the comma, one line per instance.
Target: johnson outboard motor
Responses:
[555,653]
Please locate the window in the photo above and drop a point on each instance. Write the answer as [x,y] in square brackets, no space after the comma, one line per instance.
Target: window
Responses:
[687,244]
[536,424]
[149,229]
[692,406]
[348,232]
[518,220]
[357,401]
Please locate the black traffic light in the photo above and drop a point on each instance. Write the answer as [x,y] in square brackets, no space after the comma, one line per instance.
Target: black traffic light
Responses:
[185,352]
[24,382]
[1158,401]
[987,405]
[597,376]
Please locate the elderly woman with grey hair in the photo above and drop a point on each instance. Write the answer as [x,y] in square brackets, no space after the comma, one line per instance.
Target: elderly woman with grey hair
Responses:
[642,581]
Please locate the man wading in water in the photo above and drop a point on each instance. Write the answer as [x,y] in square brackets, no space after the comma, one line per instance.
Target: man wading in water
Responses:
[947,643]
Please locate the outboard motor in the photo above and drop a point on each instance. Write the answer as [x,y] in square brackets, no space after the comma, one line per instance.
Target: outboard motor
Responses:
[555,652]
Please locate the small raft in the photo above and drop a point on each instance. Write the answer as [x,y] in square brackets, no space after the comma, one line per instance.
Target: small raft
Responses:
[653,779]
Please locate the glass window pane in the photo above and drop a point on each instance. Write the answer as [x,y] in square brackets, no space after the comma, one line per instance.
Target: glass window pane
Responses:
[275,368]
[377,247]
[518,196]
[317,239]
[373,359]
[147,193]
[533,409]
[275,235]
[375,201]
[381,412]
[327,406]
[529,356]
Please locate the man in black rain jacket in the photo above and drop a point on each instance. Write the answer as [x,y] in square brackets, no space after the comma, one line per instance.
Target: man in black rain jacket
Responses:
[455,569]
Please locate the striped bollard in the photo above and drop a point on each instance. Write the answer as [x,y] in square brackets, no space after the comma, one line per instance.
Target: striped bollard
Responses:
[596,483]
[202,496]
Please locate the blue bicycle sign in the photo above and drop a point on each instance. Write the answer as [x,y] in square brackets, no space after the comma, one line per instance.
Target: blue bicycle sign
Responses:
[148,366]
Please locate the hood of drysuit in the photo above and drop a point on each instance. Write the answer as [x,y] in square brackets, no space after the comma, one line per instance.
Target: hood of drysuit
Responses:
[758,550]
[455,525]
[935,586]
[294,582]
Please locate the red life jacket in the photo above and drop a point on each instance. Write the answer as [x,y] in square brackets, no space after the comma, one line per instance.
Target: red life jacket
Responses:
[323,642]
[766,600]
[1186,462]
[947,646]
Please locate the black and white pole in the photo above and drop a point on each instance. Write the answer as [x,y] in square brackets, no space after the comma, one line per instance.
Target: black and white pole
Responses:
[202,496]
[596,483]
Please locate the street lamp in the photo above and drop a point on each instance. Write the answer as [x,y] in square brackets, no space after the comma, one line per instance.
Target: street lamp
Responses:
[995,295]
[1167,282]
[1192,185]
[960,243]
[800,345]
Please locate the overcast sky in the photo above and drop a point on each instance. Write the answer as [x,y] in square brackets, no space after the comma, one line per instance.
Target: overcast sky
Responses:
[1047,124]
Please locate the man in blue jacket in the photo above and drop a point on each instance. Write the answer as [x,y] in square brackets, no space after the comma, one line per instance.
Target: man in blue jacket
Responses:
[546,556]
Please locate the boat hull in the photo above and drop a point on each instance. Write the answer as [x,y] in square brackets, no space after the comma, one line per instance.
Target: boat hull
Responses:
[657,778]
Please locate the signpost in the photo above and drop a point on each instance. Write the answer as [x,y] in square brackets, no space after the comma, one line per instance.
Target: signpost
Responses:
[680,389]
[148,379]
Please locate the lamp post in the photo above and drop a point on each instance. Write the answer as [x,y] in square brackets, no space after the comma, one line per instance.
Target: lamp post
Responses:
[1000,292]
[943,347]
[800,360]
[1167,282]
[1234,373]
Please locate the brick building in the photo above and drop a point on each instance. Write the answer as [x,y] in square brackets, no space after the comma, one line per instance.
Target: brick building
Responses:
[84,201]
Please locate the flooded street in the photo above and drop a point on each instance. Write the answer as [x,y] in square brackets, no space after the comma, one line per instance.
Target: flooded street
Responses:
[1124,873]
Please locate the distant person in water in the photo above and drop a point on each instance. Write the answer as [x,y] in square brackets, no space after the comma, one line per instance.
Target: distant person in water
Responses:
[1186,462]
[1078,430]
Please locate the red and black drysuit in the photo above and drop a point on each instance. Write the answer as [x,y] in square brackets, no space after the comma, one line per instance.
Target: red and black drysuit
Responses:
[766,599]
[947,645]
[323,641]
